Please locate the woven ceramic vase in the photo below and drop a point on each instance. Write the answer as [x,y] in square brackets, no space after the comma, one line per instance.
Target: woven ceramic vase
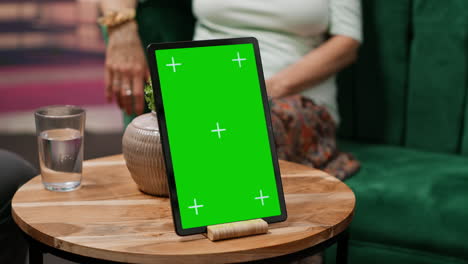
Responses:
[143,155]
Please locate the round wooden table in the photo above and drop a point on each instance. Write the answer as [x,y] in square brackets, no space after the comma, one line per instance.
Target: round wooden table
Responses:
[109,220]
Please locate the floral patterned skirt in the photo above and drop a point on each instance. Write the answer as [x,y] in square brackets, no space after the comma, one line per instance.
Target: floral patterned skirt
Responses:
[306,133]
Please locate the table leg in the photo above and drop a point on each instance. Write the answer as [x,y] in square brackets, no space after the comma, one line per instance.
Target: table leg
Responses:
[342,248]
[35,254]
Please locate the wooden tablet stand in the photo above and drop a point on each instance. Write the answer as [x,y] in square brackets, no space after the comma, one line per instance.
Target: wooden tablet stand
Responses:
[237,229]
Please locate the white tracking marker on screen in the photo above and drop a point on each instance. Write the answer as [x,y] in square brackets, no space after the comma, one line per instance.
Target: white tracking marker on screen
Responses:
[173,65]
[239,60]
[261,197]
[195,206]
[218,130]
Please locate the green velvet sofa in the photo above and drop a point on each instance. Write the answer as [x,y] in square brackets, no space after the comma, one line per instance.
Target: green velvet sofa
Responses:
[404,108]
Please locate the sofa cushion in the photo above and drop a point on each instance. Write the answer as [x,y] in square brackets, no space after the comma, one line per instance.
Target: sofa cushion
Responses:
[409,86]
[410,199]
[438,76]
[372,93]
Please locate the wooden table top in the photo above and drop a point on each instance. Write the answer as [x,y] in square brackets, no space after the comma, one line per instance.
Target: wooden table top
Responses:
[109,218]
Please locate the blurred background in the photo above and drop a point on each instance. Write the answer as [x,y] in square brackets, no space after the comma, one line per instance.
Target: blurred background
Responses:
[52,52]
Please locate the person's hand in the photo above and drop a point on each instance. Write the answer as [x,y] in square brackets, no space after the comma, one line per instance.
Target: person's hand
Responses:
[276,88]
[126,68]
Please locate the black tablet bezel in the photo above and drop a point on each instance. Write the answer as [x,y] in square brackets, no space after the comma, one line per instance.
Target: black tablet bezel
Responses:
[163,129]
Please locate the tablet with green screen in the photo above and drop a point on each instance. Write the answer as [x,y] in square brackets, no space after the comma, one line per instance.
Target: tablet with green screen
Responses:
[216,133]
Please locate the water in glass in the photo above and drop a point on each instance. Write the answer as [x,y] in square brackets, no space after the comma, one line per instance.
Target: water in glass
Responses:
[61,156]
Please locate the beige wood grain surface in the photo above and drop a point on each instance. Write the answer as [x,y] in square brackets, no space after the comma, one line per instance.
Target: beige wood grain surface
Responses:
[109,218]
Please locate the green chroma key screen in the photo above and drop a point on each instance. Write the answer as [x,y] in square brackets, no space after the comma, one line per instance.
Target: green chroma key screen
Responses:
[217,135]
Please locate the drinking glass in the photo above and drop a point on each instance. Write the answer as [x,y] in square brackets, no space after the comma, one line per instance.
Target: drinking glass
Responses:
[60,130]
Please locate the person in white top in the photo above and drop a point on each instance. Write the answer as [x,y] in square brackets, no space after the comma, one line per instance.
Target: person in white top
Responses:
[303,44]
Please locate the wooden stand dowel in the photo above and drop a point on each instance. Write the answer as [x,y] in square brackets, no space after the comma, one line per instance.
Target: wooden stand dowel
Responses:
[237,229]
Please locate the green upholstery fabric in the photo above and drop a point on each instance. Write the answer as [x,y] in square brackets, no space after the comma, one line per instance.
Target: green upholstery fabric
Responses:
[408,93]
[410,199]
[165,21]
[372,92]
[438,75]
[409,85]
